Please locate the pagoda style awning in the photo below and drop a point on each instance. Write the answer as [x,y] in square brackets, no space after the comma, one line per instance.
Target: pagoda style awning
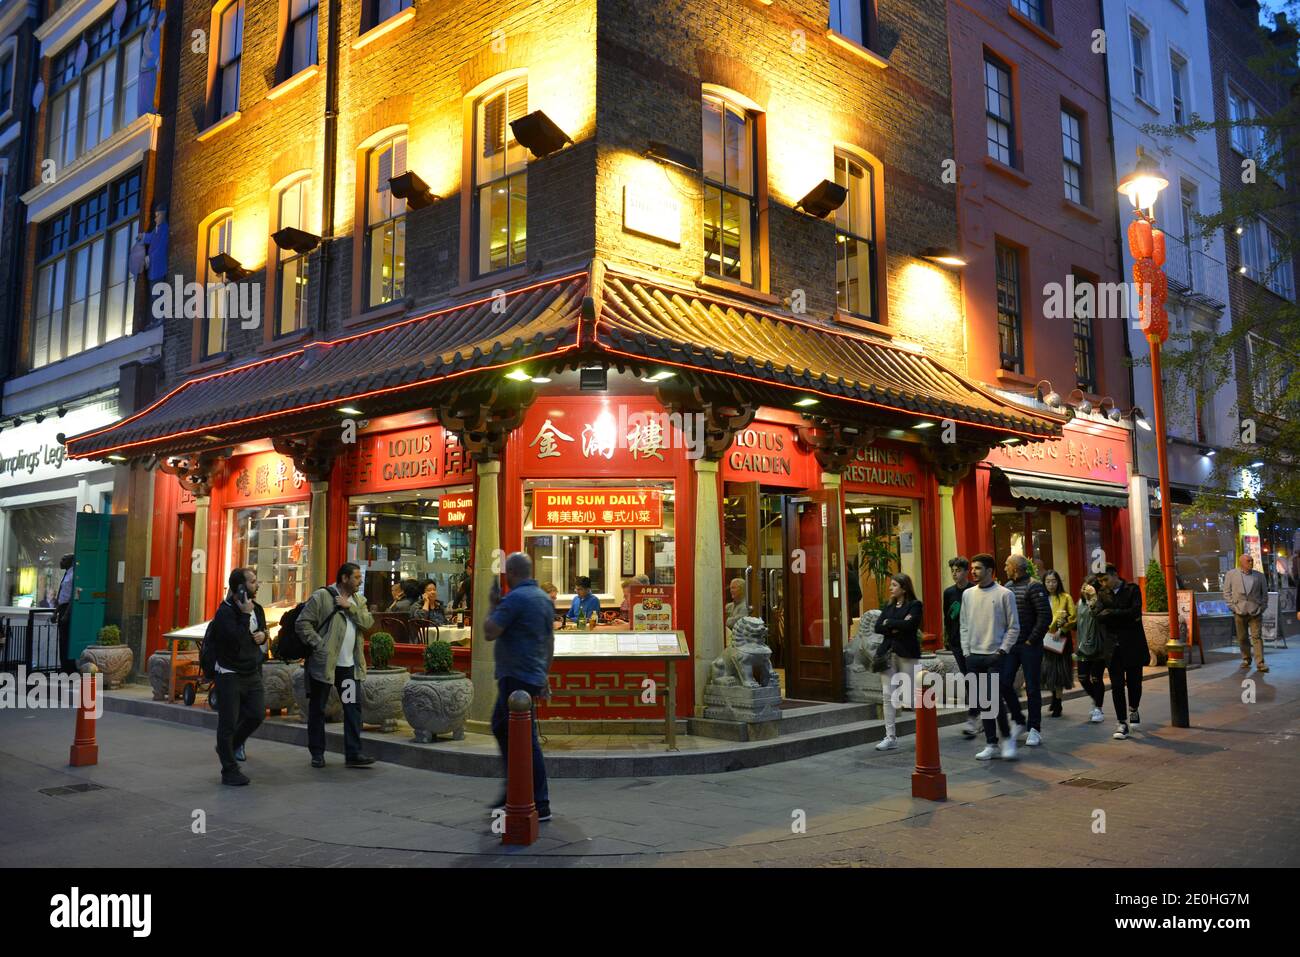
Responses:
[591,316]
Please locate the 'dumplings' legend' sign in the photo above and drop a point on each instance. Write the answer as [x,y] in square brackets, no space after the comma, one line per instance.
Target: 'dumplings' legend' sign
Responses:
[562,508]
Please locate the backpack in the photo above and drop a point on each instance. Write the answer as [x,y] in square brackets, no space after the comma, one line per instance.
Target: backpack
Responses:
[292,647]
[208,653]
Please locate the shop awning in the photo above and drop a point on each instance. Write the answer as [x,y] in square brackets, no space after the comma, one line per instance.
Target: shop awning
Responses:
[641,317]
[1045,488]
[393,368]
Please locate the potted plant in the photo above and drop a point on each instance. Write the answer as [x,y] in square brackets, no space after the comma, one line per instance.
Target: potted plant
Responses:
[879,560]
[110,656]
[1155,616]
[381,689]
[437,701]
[278,681]
[160,663]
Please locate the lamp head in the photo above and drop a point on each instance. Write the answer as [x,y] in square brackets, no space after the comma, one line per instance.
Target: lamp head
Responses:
[1144,184]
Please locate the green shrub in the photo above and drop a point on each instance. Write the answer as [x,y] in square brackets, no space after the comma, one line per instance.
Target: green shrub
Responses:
[1157,598]
[381,649]
[437,658]
[110,635]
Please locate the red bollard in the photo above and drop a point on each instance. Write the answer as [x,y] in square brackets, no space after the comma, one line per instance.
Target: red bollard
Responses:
[521,813]
[84,749]
[928,780]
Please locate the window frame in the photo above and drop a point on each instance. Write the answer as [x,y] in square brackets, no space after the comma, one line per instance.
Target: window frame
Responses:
[1179,87]
[509,177]
[1041,20]
[283,258]
[1010,362]
[370,10]
[729,99]
[1088,354]
[1002,67]
[397,221]
[1281,270]
[1139,45]
[214,295]
[875,187]
[1079,166]
[289,46]
[868,18]
[217,71]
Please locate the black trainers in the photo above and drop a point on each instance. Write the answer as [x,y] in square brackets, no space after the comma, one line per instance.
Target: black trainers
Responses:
[544,814]
[360,761]
[318,762]
[1133,716]
[1121,733]
[234,779]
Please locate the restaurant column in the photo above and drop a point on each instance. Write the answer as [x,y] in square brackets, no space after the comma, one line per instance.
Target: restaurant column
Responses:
[313,455]
[709,636]
[947,530]
[196,473]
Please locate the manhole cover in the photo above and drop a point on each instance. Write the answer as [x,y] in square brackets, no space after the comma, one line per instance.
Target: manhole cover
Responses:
[1098,785]
[72,789]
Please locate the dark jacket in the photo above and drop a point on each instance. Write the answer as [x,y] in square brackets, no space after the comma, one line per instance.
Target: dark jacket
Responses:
[952,615]
[236,649]
[900,626]
[1122,622]
[1034,608]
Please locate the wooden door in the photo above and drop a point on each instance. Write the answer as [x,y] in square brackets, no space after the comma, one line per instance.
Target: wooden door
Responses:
[814,589]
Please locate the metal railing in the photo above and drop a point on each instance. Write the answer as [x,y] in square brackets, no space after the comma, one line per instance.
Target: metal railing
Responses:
[29,637]
[1192,270]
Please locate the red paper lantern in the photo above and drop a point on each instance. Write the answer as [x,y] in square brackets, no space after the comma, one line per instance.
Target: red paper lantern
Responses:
[1158,246]
[1157,329]
[1139,239]
[1160,290]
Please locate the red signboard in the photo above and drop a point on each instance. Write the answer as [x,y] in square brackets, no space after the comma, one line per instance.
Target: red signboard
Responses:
[651,607]
[561,508]
[421,457]
[623,436]
[770,454]
[884,469]
[263,477]
[1087,450]
[456,509]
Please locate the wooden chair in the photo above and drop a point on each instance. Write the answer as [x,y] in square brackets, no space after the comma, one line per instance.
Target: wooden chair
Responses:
[395,625]
[421,631]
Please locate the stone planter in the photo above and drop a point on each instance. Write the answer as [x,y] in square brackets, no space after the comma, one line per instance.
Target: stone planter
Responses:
[159,668]
[278,685]
[1156,626]
[437,704]
[114,661]
[333,709]
[381,696]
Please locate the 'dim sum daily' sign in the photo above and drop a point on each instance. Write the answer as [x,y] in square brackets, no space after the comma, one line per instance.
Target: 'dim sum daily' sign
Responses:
[564,508]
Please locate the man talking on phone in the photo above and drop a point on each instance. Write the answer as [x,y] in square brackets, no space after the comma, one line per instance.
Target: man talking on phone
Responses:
[239,630]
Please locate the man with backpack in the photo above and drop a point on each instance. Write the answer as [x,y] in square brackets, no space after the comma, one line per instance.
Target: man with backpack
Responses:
[331,624]
[233,649]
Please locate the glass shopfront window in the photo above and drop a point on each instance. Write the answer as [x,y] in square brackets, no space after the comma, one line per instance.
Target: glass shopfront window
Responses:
[396,536]
[879,533]
[1029,533]
[273,540]
[39,535]
[1204,548]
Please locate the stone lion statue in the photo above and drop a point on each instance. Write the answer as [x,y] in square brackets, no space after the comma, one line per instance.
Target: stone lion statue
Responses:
[747,661]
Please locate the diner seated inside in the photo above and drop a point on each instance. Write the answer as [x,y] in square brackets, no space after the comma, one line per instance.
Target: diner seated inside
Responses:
[585,604]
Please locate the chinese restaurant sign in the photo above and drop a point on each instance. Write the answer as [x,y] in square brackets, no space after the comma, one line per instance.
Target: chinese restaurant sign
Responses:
[651,607]
[407,458]
[770,454]
[1096,452]
[456,509]
[888,469]
[562,508]
[605,436]
[263,477]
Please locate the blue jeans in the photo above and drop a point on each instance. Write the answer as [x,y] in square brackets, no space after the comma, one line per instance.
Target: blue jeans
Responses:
[988,665]
[1030,659]
[501,731]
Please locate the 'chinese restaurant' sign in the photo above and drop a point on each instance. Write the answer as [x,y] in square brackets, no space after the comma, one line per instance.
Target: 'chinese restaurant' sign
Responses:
[562,508]
[651,607]
[263,476]
[1089,451]
[456,509]
[769,454]
[406,458]
[891,469]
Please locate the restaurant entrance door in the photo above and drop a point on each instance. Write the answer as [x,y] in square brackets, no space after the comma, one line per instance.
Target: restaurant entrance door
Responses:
[784,549]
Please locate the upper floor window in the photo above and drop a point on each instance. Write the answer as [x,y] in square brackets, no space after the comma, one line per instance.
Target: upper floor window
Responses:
[1072,151]
[1140,46]
[385,236]
[1011,342]
[85,292]
[301,36]
[855,246]
[215,240]
[855,19]
[6,83]
[1241,112]
[730,209]
[91,102]
[1188,206]
[998,110]
[500,179]
[1032,10]
[1178,87]
[230,55]
[1085,343]
[1271,366]
[1281,276]
[291,268]
[375,12]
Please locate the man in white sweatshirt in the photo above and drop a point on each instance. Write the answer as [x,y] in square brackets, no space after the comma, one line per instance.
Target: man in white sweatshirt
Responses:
[990,626]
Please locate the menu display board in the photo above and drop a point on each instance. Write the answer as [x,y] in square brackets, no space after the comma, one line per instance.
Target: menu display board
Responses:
[652,607]
[621,644]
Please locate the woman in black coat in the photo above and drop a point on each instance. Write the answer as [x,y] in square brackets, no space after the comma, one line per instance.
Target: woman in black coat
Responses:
[900,623]
[1122,623]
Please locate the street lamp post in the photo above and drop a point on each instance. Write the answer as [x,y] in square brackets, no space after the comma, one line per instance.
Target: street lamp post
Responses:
[1147,244]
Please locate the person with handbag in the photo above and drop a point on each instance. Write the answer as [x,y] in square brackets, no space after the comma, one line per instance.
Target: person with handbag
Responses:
[990,628]
[900,649]
[1095,646]
[1058,643]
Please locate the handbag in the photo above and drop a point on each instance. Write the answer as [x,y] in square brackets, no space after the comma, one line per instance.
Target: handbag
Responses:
[1054,641]
[880,660]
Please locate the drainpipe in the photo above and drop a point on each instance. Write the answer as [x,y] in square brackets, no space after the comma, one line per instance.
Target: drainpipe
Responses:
[330,171]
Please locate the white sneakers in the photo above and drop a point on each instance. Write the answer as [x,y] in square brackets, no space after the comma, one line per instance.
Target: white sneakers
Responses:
[972,727]
[1097,717]
[989,752]
[1034,739]
[889,743]
[1017,730]
[1009,749]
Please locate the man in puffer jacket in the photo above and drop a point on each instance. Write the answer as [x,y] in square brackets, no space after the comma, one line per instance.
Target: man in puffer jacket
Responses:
[1035,611]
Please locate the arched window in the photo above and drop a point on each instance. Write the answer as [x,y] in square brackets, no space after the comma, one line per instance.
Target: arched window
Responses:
[385,238]
[214,240]
[500,178]
[731,245]
[855,238]
[291,276]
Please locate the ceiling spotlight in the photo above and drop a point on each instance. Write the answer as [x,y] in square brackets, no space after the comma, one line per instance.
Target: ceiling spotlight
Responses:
[805,402]
[823,199]
[539,134]
[519,375]
[924,425]
[349,410]
[658,376]
[944,256]
[540,379]
[415,191]
[1011,441]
